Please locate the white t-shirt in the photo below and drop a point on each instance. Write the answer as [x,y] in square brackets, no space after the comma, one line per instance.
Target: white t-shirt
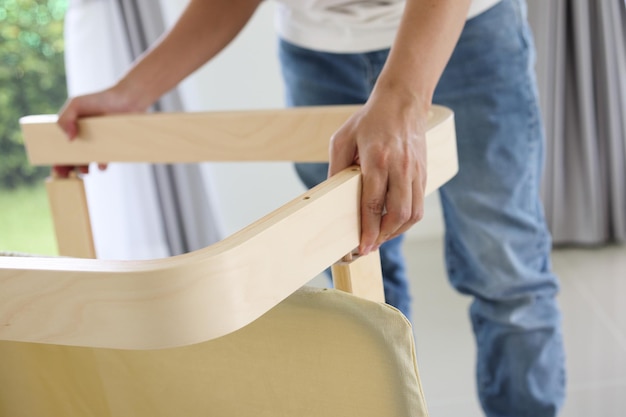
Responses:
[346,25]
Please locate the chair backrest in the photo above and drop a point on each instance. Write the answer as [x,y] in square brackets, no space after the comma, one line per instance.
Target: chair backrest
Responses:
[224,331]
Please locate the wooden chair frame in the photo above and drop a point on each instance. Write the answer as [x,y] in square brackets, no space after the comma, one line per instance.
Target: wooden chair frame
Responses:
[173,302]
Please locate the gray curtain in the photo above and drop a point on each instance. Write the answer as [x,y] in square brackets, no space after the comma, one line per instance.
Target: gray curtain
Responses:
[188,215]
[581,69]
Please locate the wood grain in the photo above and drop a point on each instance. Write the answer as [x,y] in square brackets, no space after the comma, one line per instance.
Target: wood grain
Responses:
[298,134]
[70,214]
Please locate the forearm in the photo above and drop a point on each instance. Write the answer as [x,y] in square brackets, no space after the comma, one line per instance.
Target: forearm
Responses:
[202,31]
[426,38]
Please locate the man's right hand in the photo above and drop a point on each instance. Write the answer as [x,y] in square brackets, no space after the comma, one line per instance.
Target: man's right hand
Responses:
[110,101]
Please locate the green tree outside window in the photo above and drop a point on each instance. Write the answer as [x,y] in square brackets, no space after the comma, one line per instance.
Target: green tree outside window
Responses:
[32,81]
[32,78]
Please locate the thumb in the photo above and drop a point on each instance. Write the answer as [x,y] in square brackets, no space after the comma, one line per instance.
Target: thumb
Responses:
[343,153]
[67,120]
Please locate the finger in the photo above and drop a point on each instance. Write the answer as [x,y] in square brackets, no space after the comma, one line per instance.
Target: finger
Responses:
[399,207]
[417,208]
[68,120]
[62,171]
[87,105]
[373,194]
[342,153]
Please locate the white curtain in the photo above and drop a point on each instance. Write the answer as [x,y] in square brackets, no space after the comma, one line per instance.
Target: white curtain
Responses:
[131,204]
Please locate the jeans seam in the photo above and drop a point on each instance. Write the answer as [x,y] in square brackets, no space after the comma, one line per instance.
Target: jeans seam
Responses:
[368,70]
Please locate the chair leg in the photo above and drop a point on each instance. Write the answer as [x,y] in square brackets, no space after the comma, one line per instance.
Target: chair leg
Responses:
[70,215]
[361,276]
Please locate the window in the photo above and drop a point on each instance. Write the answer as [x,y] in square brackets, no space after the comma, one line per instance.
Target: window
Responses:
[32,81]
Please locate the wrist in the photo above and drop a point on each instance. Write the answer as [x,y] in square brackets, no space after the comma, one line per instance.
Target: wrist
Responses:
[132,96]
[399,97]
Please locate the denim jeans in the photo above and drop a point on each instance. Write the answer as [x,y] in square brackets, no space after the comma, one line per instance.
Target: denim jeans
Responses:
[497,246]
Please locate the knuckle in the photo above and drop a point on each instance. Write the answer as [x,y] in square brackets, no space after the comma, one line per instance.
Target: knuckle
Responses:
[338,139]
[380,159]
[375,206]
[416,216]
[334,144]
[400,216]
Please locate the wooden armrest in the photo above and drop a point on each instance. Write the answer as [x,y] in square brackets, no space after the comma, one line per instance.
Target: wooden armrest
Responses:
[183,299]
[201,295]
[298,134]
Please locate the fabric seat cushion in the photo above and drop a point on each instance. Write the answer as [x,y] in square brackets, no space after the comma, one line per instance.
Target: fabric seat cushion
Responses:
[319,353]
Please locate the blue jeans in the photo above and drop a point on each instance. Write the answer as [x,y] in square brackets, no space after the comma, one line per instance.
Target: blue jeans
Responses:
[497,245]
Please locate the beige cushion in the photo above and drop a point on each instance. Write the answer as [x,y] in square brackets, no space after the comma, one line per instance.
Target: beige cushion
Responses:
[319,353]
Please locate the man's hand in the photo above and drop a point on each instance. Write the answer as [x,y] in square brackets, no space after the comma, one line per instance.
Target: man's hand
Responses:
[108,101]
[202,31]
[386,138]
[104,102]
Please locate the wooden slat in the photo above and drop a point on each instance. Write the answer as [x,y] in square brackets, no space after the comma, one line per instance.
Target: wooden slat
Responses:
[299,134]
[70,214]
[361,276]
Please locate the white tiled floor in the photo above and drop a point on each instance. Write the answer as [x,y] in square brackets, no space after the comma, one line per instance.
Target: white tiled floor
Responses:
[593,301]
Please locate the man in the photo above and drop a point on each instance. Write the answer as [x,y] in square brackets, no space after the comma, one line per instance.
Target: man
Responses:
[398,57]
